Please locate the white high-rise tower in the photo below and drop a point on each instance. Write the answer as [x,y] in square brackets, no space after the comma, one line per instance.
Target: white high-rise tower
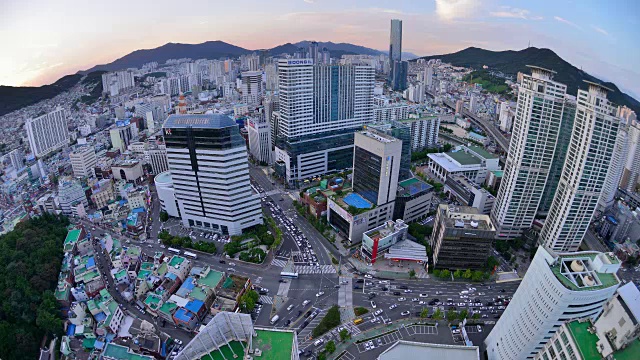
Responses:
[585,170]
[535,132]
[558,287]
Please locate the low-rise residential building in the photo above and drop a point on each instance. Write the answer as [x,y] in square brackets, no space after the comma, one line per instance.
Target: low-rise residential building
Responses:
[102,192]
[180,266]
[471,161]
[469,193]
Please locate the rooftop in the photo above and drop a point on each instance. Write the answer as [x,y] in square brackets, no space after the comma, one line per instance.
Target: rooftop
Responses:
[629,353]
[203,121]
[113,351]
[585,341]
[275,345]
[212,279]
[409,349]
[353,199]
[163,178]
[465,217]
[378,136]
[579,271]
[412,187]
[464,158]
[176,260]
[226,352]
[482,152]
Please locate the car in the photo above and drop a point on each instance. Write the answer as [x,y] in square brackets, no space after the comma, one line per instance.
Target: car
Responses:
[286,323]
[367,347]
[304,303]
[422,303]
[231,269]
[455,331]
[378,312]
[356,287]
[282,281]
[150,246]
[359,281]
[415,300]
[290,307]
[367,276]
[379,342]
[424,295]
[222,261]
[396,293]
[479,328]
[162,246]
[402,299]
[393,306]
[178,341]
[232,264]
[502,290]
[405,313]
[373,304]
[408,291]
[485,315]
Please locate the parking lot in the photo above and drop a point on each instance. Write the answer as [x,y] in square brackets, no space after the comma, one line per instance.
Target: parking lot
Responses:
[422,330]
[379,341]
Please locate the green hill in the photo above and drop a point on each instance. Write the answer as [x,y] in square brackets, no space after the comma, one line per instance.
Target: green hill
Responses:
[16,97]
[511,62]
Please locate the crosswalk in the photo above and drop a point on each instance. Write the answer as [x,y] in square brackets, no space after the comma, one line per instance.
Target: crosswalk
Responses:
[309,269]
[266,299]
[278,262]
[422,275]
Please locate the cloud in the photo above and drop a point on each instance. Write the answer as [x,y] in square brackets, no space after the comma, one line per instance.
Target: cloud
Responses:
[600,30]
[310,1]
[514,13]
[456,9]
[386,11]
[565,21]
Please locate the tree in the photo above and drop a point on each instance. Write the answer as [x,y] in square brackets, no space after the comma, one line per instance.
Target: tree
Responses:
[452,315]
[492,262]
[360,310]
[467,274]
[330,347]
[322,356]
[164,216]
[457,274]
[475,316]
[437,273]
[412,274]
[437,315]
[331,320]
[424,313]
[248,300]
[446,274]
[344,335]
[463,314]
[477,276]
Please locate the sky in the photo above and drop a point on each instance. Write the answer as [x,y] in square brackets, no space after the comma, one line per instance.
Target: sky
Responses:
[43,40]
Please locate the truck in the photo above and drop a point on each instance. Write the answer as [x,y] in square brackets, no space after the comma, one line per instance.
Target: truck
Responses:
[274,319]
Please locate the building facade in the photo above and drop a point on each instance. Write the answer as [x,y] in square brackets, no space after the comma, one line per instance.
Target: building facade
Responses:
[585,170]
[83,161]
[260,140]
[558,287]
[210,175]
[534,137]
[47,133]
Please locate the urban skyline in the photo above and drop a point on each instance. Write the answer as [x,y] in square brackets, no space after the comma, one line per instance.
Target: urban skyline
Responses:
[40,57]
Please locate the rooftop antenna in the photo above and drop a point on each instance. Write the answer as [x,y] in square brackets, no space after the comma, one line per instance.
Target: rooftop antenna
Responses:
[529,45]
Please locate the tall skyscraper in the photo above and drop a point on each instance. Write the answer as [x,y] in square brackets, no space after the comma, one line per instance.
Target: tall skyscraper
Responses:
[560,154]
[399,75]
[616,168]
[395,41]
[400,131]
[251,87]
[557,287]
[207,158]
[585,170]
[313,52]
[631,172]
[47,133]
[535,133]
[320,107]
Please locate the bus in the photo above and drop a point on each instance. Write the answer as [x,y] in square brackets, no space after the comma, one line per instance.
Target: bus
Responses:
[190,254]
[357,321]
[175,251]
[289,275]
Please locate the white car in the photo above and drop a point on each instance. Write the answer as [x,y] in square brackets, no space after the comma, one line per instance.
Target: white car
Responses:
[415,299]
[393,306]
[402,299]
[422,303]
[320,294]
[373,304]
[368,276]
[378,312]
[408,291]
[405,313]
[424,295]
[479,328]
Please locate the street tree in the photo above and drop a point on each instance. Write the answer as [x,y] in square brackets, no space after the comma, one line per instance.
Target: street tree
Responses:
[412,274]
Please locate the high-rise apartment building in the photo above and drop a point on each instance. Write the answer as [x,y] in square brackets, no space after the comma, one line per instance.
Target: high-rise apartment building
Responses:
[557,287]
[461,238]
[207,158]
[252,87]
[83,161]
[585,170]
[320,107]
[616,168]
[560,154]
[631,172]
[122,135]
[424,132]
[47,133]
[535,133]
[313,53]
[113,83]
[271,75]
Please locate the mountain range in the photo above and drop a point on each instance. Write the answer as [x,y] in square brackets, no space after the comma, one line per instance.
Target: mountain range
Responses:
[508,62]
[511,62]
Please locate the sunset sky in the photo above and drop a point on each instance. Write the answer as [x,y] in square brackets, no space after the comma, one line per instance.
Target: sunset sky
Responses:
[41,41]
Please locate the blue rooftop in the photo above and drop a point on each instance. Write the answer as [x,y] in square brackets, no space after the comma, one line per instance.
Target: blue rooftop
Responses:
[194,306]
[204,121]
[91,262]
[100,316]
[186,287]
[356,200]
[183,315]
[612,220]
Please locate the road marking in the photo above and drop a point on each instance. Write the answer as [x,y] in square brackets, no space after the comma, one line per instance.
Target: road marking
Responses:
[278,262]
[266,299]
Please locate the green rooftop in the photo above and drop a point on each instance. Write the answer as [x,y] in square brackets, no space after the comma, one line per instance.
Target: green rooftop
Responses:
[146,266]
[585,340]
[152,301]
[482,152]
[225,352]
[498,173]
[275,345]
[142,274]
[629,353]
[606,279]
[167,308]
[176,260]
[464,158]
[113,351]
[71,239]
[120,274]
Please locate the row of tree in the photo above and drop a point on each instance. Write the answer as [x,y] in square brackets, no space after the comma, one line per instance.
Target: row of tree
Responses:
[186,242]
[476,275]
[30,260]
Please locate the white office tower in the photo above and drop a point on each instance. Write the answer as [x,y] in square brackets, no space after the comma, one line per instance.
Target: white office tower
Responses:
[207,158]
[319,109]
[83,161]
[260,140]
[533,141]
[506,115]
[558,287]
[585,170]
[616,169]
[48,132]
[271,75]
[70,194]
[252,87]
[631,172]
[155,154]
